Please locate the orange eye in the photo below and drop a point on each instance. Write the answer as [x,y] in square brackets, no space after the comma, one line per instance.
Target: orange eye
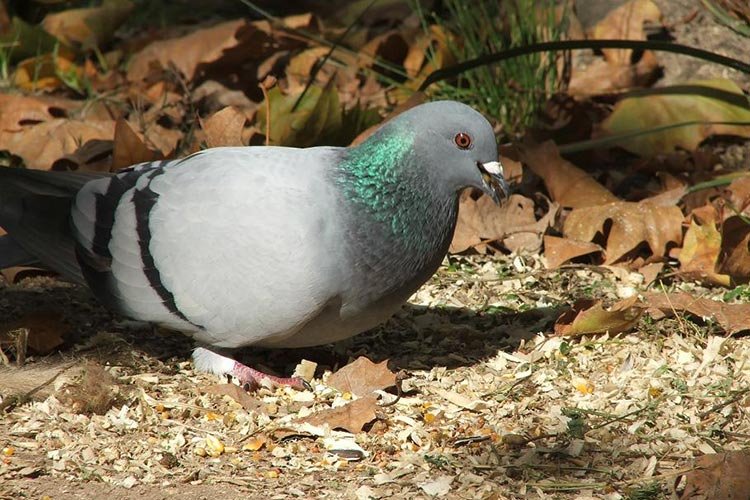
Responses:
[462,140]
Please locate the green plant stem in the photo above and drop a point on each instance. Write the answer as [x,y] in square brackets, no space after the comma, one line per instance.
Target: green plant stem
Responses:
[657,45]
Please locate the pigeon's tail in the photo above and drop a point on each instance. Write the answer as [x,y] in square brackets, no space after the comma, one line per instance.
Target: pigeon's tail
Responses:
[35,212]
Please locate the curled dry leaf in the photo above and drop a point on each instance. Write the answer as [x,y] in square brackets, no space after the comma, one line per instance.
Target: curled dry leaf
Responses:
[224,128]
[566,184]
[129,147]
[41,145]
[317,116]
[631,224]
[723,475]
[732,318]
[600,77]
[735,247]
[558,251]
[703,102]
[699,256]
[228,42]
[351,417]
[362,376]
[46,331]
[513,224]
[90,26]
[590,317]
[625,23]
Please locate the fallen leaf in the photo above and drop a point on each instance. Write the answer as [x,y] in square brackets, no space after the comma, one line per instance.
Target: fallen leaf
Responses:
[723,475]
[558,251]
[630,225]
[46,331]
[601,77]
[41,145]
[50,72]
[351,417]
[89,26]
[732,318]
[130,148]
[512,224]
[590,317]
[699,256]
[625,23]
[224,128]
[18,111]
[229,42]
[362,376]
[438,487]
[699,101]
[316,117]
[566,184]
[240,395]
[735,247]
[94,156]
[650,272]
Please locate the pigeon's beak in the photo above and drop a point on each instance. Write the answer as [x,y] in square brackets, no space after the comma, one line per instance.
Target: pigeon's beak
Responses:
[493,182]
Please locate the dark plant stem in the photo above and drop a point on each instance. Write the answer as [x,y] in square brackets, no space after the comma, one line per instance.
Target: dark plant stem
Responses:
[657,45]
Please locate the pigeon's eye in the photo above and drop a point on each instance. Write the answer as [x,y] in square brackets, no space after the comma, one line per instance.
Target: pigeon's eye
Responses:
[462,140]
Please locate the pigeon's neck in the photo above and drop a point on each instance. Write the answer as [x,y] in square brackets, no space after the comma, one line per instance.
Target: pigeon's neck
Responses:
[381,179]
[399,225]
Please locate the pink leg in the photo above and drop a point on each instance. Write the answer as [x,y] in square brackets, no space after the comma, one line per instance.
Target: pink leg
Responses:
[250,378]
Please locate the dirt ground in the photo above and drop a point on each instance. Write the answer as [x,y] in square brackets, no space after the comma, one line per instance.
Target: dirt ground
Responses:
[495,407]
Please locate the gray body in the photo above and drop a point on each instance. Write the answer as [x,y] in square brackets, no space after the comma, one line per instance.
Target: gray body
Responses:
[242,246]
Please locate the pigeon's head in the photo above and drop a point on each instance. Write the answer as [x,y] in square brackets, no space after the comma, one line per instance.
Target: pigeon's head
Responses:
[456,145]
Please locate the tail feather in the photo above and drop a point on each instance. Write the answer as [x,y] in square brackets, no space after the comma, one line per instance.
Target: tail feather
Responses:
[35,211]
[13,254]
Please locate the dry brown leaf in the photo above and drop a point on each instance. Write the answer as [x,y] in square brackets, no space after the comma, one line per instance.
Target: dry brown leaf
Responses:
[94,156]
[17,111]
[229,41]
[418,65]
[590,317]
[650,272]
[41,145]
[716,107]
[699,256]
[351,417]
[558,251]
[90,26]
[46,330]
[513,224]
[362,376]
[632,224]
[600,77]
[240,395]
[733,318]
[129,147]
[723,475]
[567,184]
[626,23]
[44,72]
[735,247]
[224,128]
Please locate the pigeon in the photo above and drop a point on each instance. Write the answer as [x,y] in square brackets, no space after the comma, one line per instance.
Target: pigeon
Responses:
[260,245]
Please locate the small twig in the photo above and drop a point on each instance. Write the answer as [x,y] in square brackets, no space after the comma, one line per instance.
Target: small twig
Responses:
[400,377]
[739,395]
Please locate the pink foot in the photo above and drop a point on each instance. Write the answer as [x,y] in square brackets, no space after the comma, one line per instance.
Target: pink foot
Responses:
[250,378]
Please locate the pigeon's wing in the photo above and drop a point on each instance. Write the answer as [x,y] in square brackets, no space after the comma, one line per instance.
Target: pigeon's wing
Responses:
[233,244]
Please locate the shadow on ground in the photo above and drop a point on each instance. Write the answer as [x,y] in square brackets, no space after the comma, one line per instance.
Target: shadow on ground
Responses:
[417,337]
